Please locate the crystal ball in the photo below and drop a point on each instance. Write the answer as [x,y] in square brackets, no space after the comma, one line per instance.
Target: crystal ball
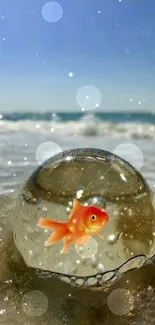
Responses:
[95,178]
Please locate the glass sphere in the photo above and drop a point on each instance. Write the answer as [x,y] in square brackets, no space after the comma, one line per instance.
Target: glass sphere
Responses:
[96,178]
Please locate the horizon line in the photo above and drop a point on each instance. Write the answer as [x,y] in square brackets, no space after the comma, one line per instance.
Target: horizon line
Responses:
[75,112]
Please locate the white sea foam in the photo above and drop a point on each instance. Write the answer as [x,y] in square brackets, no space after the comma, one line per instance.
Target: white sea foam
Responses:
[88,126]
[20,140]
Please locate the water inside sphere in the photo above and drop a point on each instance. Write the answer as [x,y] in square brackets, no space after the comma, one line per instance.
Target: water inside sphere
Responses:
[96,178]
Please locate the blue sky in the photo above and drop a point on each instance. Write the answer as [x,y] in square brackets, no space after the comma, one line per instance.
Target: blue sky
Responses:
[109,44]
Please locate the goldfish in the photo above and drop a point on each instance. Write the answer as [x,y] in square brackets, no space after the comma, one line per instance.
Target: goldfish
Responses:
[83,223]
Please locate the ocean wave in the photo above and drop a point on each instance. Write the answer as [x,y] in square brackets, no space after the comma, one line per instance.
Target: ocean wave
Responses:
[87,126]
[115,117]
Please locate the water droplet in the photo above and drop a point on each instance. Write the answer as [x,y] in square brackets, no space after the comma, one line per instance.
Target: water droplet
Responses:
[78,262]
[89,250]
[79,194]
[92,281]
[88,97]
[107,276]
[79,282]
[120,301]
[131,153]
[46,150]
[52,12]
[34,303]
[100,267]
[94,261]
[66,279]
[112,239]
[44,209]
[2,311]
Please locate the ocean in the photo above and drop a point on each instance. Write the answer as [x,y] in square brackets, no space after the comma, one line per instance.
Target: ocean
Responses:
[24,138]
[22,133]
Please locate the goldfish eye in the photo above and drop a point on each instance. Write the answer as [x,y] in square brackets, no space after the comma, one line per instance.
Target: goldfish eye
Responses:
[93,217]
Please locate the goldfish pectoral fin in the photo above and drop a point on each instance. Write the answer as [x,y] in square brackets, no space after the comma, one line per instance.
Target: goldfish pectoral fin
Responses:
[65,249]
[85,241]
[100,235]
[82,240]
[78,242]
[67,243]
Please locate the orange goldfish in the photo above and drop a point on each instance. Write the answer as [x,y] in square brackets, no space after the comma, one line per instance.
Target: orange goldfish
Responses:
[83,223]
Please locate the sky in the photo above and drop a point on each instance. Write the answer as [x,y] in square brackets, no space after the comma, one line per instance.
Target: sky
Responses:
[72,55]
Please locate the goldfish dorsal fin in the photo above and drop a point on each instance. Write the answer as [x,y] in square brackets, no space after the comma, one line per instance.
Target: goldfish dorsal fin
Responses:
[76,206]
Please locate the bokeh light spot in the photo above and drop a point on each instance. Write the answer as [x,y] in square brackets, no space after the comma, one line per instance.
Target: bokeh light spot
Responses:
[120,301]
[34,303]
[88,250]
[70,74]
[131,153]
[9,162]
[88,97]
[52,12]
[46,150]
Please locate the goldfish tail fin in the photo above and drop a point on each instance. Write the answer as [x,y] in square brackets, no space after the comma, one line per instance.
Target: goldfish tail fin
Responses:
[47,223]
[60,230]
[55,237]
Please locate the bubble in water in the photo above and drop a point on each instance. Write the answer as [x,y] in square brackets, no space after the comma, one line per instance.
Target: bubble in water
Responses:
[88,97]
[2,311]
[88,250]
[46,150]
[34,303]
[120,301]
[112,238]
[100,267]
[52,12]
[131,154]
